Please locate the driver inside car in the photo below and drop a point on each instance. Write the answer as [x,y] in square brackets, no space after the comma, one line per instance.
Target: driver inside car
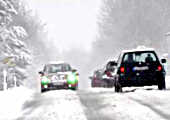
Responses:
[148,59]
[130,59]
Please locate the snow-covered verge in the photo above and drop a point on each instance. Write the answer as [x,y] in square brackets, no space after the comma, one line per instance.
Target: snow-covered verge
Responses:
[12,100]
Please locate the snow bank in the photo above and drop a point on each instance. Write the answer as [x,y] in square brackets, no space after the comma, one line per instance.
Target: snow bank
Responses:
[11,102]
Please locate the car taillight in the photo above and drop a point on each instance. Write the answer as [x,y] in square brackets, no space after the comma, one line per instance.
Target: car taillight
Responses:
[122,69]
[65,77]
[159,68]
[108,74]
[94,78]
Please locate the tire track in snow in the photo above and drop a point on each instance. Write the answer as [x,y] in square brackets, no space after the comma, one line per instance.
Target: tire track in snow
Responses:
[92,105]
[155,100]
[54,105]
[107,105]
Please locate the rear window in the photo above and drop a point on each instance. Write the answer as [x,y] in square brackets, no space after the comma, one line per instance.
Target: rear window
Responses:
[145,57]
[53,68]
[110,65]
[97,73]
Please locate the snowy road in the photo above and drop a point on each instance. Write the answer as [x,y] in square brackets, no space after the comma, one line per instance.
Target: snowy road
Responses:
[134,104]
[53,105]
[144,103]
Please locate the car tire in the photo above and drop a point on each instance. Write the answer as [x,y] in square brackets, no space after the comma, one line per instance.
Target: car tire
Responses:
[92,84]
[75,88]
[105,85]
[161,84]
[118,87]
[110,84]
[43,90]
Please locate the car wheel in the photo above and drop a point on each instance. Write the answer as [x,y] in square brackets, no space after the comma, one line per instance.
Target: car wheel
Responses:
[92,84]
[43,90]
[110,84]
[105,85]
[75,88]
[161,84]
[118,87]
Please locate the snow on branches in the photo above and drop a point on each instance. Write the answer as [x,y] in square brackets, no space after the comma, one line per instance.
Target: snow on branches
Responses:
[14,53]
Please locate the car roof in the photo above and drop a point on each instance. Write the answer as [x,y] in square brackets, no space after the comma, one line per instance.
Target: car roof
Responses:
[57,62]
[138,50]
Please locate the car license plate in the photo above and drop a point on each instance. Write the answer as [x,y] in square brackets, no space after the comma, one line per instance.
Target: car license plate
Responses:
[58,83]
[141,68]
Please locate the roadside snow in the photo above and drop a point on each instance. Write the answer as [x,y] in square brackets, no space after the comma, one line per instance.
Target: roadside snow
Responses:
[11,102]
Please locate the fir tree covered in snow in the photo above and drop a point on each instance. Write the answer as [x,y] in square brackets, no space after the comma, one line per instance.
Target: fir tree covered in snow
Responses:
[14,53]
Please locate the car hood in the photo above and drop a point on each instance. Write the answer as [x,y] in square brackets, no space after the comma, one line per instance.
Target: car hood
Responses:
[58,74]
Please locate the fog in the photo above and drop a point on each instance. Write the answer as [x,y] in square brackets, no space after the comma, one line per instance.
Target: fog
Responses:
[88,33]
[72,28]
[70,23]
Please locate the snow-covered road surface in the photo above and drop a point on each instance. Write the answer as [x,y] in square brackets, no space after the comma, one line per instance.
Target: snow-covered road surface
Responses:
[54,105]
[142,103]
[99,104]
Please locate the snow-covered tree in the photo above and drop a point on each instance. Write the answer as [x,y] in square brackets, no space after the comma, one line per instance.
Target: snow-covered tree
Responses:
[125,24]
[37,39]
[14,53]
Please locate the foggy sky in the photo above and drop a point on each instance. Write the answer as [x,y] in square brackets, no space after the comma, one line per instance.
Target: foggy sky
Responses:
[70,23]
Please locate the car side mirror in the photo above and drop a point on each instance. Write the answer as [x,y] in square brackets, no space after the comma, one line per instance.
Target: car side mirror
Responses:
[41,72]
[77,74]
[115,64]
[74,70]
[163,60]
[91,77]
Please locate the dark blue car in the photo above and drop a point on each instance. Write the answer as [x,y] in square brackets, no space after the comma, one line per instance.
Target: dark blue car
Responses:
[139,68]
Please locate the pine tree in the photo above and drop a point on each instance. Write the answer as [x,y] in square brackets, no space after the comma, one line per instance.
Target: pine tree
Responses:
[14,53]
[125,24]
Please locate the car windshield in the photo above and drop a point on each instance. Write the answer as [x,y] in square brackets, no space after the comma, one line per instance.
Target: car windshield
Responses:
[110,65]
[53,68]
[144,57]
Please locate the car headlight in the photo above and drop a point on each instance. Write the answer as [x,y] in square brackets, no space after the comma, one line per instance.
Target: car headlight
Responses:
[71,77]
[45,80]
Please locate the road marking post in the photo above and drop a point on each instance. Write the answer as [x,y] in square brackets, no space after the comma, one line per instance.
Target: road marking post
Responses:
[5,79]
